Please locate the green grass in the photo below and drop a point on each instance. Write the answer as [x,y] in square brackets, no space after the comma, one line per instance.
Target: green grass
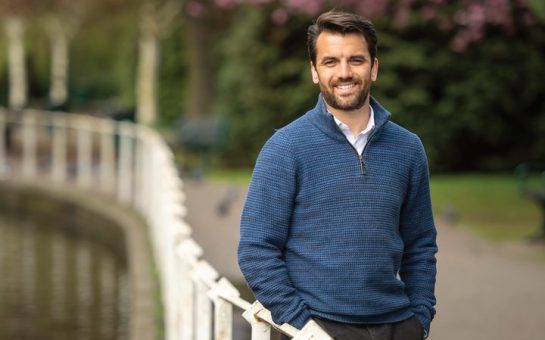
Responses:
[231,176]
[489,205]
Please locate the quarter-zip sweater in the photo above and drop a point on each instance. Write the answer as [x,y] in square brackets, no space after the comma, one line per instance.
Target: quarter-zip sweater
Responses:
[328,232]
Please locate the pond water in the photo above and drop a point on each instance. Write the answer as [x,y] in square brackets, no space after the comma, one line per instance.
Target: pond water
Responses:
[56,283]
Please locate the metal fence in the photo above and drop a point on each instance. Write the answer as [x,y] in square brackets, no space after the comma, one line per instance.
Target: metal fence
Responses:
[133,164]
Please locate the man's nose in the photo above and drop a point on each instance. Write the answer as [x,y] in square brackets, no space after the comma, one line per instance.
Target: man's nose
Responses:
[345,70]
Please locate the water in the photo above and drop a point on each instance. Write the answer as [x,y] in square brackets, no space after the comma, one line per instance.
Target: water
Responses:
[56,283]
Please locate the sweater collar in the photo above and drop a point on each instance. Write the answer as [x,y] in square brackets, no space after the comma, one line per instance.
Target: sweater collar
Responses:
[323,120]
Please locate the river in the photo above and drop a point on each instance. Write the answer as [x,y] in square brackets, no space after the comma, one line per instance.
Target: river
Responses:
[58,283]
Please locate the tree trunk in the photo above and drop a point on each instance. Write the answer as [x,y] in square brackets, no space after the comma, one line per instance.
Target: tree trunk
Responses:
[58,92]
[146,107]
[16,61]
[200,90]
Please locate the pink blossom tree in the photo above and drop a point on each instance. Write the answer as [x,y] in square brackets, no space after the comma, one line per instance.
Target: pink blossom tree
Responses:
[466,19]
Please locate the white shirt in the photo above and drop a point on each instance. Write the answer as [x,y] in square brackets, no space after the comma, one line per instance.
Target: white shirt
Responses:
[359,141]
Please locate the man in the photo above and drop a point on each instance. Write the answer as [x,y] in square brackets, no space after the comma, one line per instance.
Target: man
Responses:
[337,226]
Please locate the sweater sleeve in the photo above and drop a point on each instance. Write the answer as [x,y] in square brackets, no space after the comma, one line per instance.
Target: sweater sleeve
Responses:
[418,267]
[264,229]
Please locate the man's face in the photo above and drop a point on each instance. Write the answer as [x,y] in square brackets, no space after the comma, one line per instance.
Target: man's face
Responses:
[343,70]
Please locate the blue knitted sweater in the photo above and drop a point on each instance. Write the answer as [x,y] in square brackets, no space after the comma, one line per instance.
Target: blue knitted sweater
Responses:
[327,232]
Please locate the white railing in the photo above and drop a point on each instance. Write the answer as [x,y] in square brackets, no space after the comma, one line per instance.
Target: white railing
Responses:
[134,164]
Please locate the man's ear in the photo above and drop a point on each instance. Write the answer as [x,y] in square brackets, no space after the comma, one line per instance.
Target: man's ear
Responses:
[374,70]
[314,72]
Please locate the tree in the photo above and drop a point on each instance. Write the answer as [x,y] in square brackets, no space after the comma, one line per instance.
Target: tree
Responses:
[468,19]
[14,15]
[154,22]
[62,20]
[463,100]
[204,20]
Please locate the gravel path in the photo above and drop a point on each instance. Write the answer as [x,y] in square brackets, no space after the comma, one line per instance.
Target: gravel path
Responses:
[484,291]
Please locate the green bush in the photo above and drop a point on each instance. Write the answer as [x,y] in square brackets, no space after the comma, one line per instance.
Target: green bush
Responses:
[480,110]
[264,81]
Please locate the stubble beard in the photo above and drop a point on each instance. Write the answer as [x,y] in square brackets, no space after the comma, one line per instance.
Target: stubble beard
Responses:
[352,104]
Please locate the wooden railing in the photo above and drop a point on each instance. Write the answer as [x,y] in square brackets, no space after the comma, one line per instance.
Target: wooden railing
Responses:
[133,164]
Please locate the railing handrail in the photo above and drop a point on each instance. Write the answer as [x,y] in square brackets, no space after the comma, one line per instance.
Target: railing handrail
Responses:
[144,177]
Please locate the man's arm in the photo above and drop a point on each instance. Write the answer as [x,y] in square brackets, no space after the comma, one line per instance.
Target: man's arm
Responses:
[264,230]
[418,267]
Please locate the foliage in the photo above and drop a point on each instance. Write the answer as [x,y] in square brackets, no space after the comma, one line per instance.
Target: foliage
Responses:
[264,81]
[465,76]
[476,109]
[479,110]
[173,72]
[466,19]
[103,68]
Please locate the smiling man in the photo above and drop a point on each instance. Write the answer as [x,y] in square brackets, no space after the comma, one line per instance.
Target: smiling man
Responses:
[337,226]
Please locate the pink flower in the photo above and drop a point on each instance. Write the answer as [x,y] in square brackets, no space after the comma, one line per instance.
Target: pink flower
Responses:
[195,9]
[279,16]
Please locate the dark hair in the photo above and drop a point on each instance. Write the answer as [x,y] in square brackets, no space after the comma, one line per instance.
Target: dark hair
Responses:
[342,23]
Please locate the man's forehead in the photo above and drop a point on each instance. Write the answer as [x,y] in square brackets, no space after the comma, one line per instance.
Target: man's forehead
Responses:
[331,42]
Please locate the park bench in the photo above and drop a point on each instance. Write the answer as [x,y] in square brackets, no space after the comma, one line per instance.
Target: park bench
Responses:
[531,183]
[200,137]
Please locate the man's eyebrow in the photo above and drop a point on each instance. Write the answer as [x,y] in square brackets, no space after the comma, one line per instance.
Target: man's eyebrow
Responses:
[358,56]
[328,58]
[355,56]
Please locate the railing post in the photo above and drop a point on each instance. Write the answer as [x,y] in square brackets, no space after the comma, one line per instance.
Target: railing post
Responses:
[58,167]
[143,157]
[260,330]
[204,276]
[84,151]
[107,156]
[182,312]
[124,171]
[223,309]
[176,254]
[3,149]
[29,144]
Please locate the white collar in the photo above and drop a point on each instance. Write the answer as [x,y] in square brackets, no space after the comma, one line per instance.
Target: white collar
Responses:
[370,124]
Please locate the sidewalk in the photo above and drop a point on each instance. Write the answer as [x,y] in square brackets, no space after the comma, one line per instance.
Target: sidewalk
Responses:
[484,291]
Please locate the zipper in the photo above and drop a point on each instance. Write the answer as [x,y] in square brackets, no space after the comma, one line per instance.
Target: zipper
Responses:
[369,140]
[360,157]
[362,166]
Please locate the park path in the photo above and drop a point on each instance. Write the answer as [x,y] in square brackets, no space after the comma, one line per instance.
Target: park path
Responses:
[485,291]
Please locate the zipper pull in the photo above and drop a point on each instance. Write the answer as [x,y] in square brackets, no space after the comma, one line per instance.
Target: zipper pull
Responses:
[362,165]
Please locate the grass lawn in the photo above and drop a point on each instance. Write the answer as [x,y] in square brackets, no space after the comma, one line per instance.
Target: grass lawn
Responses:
[231,176]
[489,205]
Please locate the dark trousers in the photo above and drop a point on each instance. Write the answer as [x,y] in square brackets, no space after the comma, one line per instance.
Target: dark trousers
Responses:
[409,329]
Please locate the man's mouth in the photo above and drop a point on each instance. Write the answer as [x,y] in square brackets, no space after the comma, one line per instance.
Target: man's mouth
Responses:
[345,87]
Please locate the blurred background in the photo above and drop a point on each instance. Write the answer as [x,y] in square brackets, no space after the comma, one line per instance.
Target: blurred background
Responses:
[217,77]
[464,75]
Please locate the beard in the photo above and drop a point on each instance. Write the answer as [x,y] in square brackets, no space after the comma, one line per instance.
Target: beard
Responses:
[351,103]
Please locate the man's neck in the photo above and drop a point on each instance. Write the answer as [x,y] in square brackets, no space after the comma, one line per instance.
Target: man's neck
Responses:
[356,120]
